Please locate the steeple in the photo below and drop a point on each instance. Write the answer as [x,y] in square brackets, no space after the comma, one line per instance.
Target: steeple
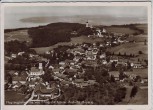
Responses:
[87,24]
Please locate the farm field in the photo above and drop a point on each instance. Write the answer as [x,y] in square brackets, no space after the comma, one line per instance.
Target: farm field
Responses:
[130,48]
[123,30]
[74,40]
[141,72]
[138,38]
[21,35]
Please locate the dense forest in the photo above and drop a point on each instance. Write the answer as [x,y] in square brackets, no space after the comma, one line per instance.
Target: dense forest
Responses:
[56,32]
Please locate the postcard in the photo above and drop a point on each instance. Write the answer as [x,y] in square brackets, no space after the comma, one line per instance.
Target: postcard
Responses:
[76,56]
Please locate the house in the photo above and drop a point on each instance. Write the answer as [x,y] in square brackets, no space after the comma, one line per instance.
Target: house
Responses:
[104,30]
[48,52]
[21,53]
[115,74]
[136,65]
[102,56]
[56,70]
[121,63]
[42,91]
[22,79]
[94,51]
[17,86]
[31,55]
[62,63]
[31,84]
[79,51]
[14,55]
[71,71]
[79,80]
[69,62]
[61,76]
[36,72]
[114,59]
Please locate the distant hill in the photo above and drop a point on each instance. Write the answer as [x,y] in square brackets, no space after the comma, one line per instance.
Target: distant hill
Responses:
[53,33]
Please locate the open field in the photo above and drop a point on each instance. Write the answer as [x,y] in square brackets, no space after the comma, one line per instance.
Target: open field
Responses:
[138,38]
[130,48]
[141,72]
[123,30]
[21,35]
[143,27]
[14,97]
[74,40]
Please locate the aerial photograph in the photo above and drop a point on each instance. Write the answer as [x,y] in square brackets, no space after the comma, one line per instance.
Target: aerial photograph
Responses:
[75,55]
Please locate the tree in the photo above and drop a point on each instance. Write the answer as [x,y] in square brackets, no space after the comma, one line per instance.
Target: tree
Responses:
[128,65]
[9,78]
[112,78]
[133,91]
[121,74]
[124,53]
[47,77]
[145,42]
[113,65]
[140,52]
[138,60]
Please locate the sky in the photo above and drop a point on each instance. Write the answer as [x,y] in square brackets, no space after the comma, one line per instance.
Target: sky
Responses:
[28,16]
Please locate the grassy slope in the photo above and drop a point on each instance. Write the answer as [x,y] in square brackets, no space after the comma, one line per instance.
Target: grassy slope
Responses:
[124,30]
[21,35]
[129,48]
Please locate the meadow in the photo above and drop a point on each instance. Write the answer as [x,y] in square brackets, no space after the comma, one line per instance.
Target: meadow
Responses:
[21,35]
[130,48]
[74,40]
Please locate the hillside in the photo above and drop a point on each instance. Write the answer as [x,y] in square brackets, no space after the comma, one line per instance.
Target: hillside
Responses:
[56,32]
[130,48]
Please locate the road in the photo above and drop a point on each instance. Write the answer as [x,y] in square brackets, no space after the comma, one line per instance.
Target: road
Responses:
[32,95]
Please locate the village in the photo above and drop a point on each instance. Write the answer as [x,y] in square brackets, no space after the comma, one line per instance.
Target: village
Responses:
[44,76]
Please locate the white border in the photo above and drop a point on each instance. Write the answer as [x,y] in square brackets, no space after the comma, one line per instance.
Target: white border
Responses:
[77,107]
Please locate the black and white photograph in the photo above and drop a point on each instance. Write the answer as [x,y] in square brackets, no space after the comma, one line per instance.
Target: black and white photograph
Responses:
[76,54]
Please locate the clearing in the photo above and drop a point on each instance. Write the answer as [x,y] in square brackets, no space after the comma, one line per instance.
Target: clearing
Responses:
[21,35]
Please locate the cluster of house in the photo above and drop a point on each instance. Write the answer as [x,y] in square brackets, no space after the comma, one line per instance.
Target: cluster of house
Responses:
[33,82]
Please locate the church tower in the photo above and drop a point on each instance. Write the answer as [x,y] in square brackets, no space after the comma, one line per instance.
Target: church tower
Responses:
[87,24]
[40,66]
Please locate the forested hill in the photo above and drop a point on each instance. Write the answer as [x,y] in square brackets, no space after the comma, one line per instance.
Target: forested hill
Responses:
[56,32]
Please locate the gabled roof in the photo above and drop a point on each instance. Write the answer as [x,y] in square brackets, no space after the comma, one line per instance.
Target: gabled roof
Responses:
[79,50]
[41,88]
[34,69]
[71,70]
[19,78]
[79,80]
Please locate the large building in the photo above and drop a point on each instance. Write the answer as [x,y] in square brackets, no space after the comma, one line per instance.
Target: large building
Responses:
[37,71]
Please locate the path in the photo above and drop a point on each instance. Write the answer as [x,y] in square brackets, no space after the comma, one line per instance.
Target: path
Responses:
[32,95]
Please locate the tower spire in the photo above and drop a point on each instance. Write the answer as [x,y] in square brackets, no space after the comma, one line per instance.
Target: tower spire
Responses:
[87,24]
